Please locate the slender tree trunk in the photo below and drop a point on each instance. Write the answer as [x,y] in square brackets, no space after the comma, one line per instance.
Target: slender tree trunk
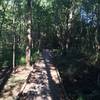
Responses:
[29,31]
[14,53]
[97,33]
[14,38]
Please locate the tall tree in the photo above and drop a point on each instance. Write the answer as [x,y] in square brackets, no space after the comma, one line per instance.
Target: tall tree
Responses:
[29,31]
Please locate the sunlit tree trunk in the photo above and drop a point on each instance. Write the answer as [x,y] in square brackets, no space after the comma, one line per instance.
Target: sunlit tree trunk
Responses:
[69,25]
[29,33]
[14,52]
[14,39]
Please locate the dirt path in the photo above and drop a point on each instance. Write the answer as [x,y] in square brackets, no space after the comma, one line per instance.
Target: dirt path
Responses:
[41,82]
[14,83]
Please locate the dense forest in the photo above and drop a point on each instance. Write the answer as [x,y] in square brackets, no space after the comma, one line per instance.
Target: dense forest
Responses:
[69,28]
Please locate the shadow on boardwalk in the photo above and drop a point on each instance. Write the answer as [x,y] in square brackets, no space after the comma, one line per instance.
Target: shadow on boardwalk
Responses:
[40,84]
[55,91]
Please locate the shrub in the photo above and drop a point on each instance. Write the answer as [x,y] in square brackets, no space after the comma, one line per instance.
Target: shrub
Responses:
[22,60]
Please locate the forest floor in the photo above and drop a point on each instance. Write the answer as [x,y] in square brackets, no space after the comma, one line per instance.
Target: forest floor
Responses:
[80,77]
[14,83]
[38,82]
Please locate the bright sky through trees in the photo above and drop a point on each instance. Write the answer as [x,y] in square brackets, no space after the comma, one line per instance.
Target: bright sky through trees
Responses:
[88,17]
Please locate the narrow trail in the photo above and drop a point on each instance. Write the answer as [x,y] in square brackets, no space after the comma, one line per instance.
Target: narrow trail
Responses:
[43,82]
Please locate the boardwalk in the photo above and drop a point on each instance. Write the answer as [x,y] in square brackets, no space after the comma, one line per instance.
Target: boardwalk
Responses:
[43,82]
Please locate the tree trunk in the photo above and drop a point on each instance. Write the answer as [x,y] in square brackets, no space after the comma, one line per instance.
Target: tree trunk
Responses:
[29,33]
[14,53]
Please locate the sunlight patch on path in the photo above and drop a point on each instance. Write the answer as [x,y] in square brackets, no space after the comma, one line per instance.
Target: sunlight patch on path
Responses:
[38,84]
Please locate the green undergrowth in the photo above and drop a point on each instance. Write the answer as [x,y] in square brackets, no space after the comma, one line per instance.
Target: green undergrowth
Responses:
[35,56]
[21,60]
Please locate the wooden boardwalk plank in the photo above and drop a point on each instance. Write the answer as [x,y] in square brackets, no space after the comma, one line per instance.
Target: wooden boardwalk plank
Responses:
[43,82]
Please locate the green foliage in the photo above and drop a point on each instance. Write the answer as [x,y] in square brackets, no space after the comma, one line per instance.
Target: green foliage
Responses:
[5,64]
[35,56]
[52,24]
[80,98]
[57,25]
[22,60]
